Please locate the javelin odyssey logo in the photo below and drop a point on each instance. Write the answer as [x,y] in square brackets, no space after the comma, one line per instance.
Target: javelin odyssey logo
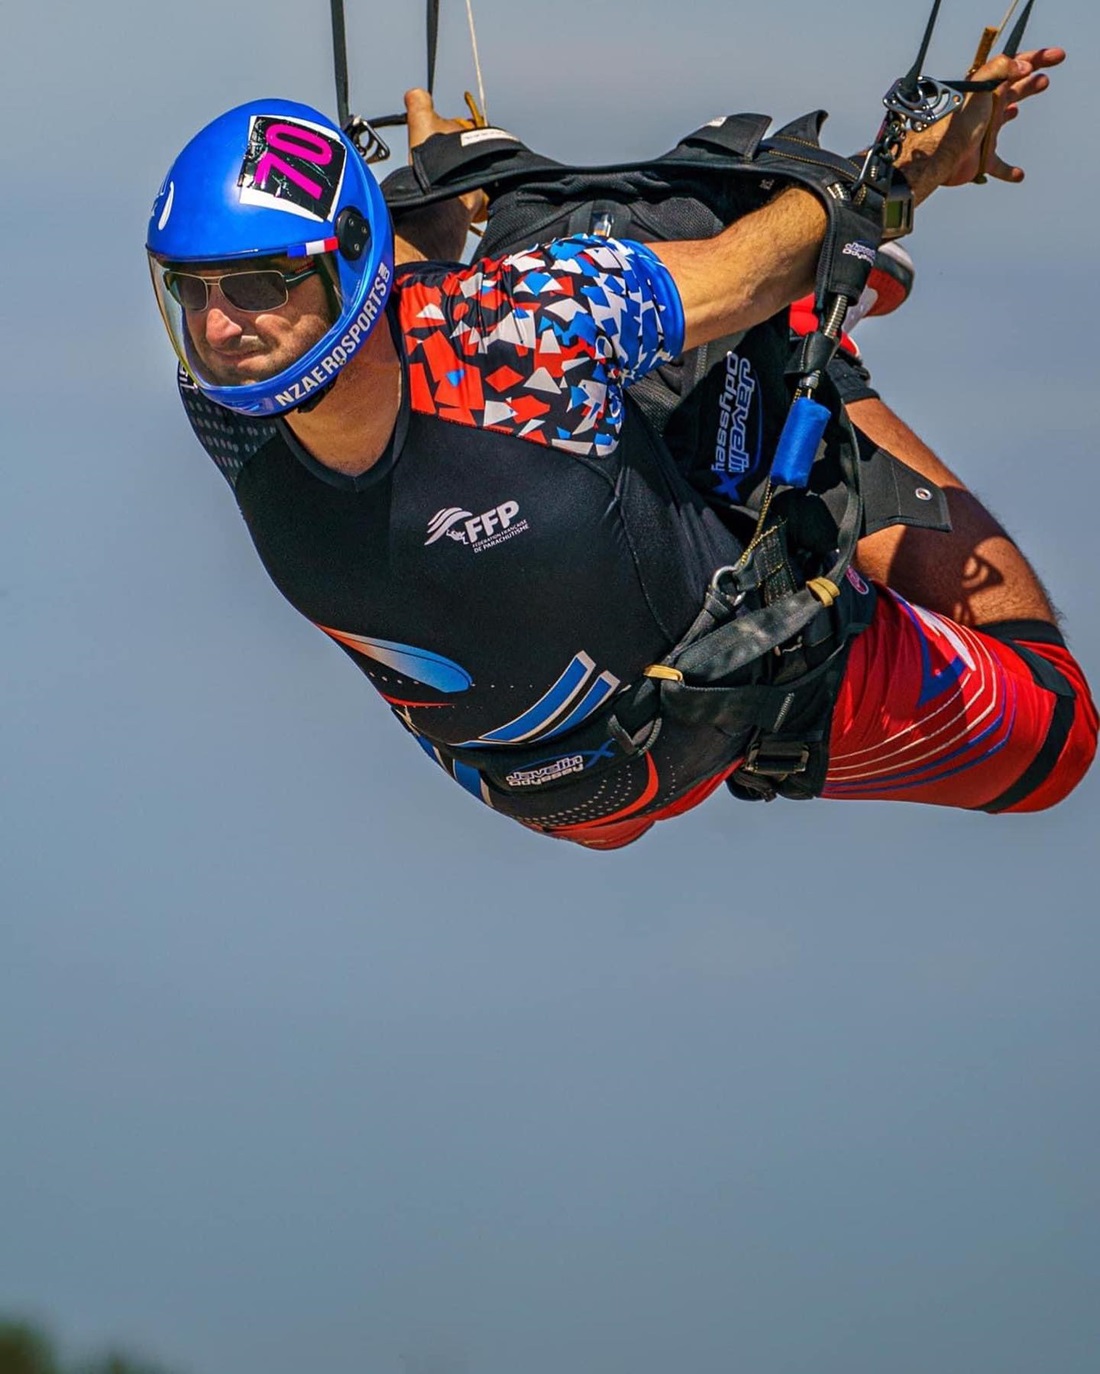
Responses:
[735,453]
[863,251]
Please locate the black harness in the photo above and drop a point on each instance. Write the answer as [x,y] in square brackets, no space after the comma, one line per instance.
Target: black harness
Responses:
[763,659]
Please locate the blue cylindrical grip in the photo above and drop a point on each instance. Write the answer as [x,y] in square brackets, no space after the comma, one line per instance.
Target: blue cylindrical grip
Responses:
[799,442]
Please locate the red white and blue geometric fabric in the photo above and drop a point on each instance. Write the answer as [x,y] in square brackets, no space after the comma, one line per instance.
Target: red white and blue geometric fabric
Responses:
[540,344]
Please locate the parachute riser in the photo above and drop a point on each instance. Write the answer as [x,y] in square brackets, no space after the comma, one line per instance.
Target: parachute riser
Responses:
[364,132]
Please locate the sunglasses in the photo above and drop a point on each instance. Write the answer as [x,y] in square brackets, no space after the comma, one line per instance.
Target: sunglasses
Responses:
[252,292]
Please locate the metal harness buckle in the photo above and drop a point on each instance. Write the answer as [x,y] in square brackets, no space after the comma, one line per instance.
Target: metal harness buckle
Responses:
[776,759]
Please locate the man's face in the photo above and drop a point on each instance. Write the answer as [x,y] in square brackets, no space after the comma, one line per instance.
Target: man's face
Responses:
[234,347]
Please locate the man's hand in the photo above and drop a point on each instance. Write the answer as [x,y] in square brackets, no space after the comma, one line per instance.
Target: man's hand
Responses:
[424,121]
[438,232]
[950,153]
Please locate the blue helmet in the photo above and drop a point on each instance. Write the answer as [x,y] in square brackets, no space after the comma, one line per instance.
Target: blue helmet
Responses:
[271,194]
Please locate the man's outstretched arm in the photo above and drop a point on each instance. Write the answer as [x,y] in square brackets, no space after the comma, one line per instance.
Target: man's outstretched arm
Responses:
[963,691]
[766,260]
[976,574]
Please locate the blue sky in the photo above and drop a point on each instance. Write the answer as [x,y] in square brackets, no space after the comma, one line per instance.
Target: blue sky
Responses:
[310,1062]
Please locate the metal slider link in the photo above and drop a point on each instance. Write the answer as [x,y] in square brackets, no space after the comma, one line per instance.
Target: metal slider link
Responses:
[364,134]
[733,571]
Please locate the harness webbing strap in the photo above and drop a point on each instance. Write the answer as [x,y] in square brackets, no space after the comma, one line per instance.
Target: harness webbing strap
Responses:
[912,77]
[746,638]
[433,42]
[340,61]
[1016,37]
[452,164]
[448,165]
[738,134]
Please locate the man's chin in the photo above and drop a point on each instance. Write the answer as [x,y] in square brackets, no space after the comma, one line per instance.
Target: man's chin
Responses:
[231,370]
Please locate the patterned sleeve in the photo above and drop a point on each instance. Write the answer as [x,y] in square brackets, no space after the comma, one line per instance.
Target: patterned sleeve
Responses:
[541,343]
[634,303]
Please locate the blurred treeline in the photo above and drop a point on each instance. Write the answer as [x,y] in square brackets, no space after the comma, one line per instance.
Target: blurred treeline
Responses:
[28,1349]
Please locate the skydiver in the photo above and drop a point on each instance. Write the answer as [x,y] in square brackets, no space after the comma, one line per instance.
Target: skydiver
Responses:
[439,467]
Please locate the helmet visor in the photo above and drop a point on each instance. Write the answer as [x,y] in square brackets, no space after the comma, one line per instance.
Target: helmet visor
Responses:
[244,321]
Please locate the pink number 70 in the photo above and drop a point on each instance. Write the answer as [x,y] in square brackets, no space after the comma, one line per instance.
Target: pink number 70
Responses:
[303,143]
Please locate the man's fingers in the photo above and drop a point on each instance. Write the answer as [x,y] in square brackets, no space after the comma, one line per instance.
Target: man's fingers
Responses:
[1032,79]
[1002,68]
[1044,57]
[422,118]
[1003,171]
[1029,86]
[421,112]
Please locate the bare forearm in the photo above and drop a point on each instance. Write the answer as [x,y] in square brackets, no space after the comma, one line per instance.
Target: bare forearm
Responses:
[751,270]
[976,574]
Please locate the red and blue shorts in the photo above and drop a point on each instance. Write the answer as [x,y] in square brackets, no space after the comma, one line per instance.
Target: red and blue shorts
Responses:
[996,719]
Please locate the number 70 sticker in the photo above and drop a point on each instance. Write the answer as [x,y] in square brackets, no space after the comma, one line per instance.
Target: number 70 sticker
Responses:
[291,164]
